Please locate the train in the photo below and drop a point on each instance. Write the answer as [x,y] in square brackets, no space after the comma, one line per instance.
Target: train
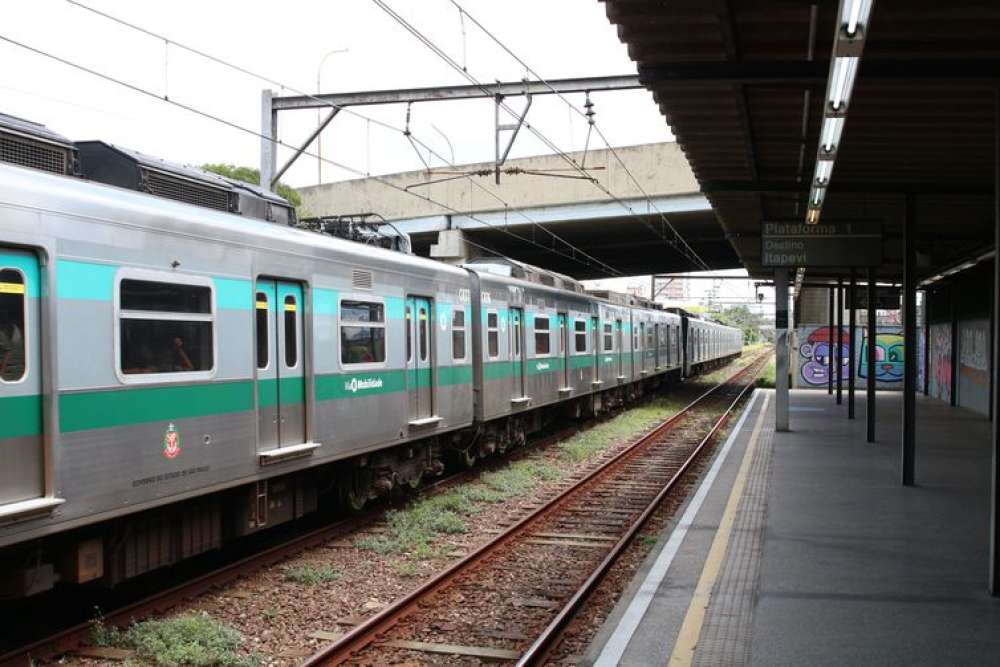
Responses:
[176,375]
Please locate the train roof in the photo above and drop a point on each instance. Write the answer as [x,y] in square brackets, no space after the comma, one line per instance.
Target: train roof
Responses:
[72,196]
[32,129]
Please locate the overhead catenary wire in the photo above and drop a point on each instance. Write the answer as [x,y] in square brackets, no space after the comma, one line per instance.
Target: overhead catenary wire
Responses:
[681,245]
[588,116]
[413,139]
[277,142]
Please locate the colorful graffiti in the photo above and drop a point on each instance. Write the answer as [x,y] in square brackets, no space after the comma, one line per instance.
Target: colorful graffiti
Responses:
[815,352]
[974,365]
[889,348]
[941,370]
[815,348]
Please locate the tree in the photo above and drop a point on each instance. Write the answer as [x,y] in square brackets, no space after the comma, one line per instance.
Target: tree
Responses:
[253,176]
[742,318]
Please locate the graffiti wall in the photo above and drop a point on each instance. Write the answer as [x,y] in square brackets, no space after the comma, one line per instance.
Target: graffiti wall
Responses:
[974,365]
[940,386]
[817,344]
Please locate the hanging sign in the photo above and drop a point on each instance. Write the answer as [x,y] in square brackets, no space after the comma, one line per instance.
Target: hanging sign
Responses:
[825,245]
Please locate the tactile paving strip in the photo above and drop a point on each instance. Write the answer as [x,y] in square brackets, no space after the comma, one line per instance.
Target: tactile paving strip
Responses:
[726,634]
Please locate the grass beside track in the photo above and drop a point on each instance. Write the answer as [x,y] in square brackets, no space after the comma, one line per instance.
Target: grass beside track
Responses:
[766,378]
[311,575]
[410,533]
[191,640]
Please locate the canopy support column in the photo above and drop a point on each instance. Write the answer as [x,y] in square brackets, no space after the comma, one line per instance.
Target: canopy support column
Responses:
[781,349]
[851,352]
[909,342]
[836,343]
[829,355]
[994,582]
[870,375]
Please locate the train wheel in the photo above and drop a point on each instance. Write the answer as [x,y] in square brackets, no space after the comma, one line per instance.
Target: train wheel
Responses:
[352,500]
[466,457]
[413,483]
[354,490]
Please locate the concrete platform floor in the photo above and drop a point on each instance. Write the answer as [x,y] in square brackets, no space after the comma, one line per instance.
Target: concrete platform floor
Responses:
[828,560]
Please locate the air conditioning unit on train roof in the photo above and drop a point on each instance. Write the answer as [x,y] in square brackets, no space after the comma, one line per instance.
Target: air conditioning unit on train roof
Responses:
[125,168]
[616,298]
[33,145]
[505,266]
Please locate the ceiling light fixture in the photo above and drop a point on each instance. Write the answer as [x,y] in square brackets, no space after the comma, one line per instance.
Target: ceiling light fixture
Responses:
[845,61]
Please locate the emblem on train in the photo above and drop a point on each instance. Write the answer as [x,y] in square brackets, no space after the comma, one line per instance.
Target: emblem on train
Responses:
[368,383]
[171,442]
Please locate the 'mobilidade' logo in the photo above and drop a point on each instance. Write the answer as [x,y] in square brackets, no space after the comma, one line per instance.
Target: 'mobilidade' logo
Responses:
[355,385]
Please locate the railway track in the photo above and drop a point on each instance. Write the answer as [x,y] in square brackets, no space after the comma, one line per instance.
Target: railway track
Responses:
[69,639]
[511,598]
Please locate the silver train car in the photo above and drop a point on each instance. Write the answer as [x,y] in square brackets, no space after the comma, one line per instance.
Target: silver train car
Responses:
[174,377]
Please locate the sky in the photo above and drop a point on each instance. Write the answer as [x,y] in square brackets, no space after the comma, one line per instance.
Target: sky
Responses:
[286,42]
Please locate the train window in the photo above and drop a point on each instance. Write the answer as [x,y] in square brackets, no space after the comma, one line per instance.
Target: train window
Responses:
[422,338]
[562,335]
[458,334]
[609,338]
[263,337]
[291,333]
[492,335]
[12,333]
[165,327]
[543,340]
[165,297]
[580,335]
[409,334]
[635,336]
[650,333]
[362,332]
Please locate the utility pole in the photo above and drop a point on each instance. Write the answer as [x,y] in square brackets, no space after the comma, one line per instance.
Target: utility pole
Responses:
[319,121]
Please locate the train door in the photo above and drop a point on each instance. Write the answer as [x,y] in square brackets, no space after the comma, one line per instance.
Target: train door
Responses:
[669,349]
[656,346]
[595,341]
[564,348]
[22,474]
[420,356]
[620,344]
[516,330]
[280,364]
[640,341]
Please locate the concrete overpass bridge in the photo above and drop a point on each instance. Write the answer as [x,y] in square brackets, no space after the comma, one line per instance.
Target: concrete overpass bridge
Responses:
[565,224]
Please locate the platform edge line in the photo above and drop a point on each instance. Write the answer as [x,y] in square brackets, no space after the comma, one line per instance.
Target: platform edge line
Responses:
[615,647]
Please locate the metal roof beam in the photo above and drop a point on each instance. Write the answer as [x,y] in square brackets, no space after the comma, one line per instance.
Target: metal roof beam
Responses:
[864,187]
[465,92]
[802,72]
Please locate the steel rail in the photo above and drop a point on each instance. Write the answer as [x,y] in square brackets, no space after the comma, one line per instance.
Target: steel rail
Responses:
[366,633]
[71,638]
[539,648]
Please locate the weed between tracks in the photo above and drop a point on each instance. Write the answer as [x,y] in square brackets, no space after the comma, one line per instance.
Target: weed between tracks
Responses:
[191,640]
[410,532]
[311,574]
[629,423]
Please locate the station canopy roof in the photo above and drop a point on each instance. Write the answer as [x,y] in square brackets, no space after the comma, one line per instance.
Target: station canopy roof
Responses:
[742,83]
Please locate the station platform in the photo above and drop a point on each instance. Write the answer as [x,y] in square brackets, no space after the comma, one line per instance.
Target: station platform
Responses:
[802,548]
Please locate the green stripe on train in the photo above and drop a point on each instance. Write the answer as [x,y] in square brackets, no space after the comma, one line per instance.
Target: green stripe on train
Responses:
[137,405]
[355,385]
[81,411]
[292,391]
[22,416]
